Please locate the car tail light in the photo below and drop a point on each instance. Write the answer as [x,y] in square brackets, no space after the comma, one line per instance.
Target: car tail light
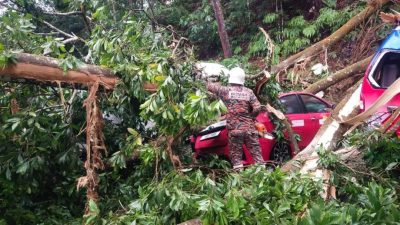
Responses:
[262,131]
[260,127]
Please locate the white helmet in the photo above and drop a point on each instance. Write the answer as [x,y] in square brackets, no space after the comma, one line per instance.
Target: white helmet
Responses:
[236,76]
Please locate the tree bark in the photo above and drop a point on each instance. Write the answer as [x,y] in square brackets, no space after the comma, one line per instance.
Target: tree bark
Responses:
[340,75]
[223,35]
[40,69]
[372,7]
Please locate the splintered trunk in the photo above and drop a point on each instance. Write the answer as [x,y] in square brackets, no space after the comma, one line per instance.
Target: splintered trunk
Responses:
[223,35]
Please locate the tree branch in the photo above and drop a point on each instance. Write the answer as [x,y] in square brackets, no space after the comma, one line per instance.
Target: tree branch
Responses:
[338,76]
[73,13]
[356,20]
[71,37]
[51,26]
[66,41]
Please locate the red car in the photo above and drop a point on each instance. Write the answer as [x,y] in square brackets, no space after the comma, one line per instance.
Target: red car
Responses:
[305,111]
[382,71]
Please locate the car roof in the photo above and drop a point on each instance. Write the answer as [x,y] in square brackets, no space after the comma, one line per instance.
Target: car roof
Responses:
[292,93]
[303,93]
[392,41]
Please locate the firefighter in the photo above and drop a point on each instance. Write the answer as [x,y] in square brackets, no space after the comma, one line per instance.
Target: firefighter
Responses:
[242,106]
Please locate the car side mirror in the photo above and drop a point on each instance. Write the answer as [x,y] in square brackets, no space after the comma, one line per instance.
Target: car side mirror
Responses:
[330,108]
[392,108]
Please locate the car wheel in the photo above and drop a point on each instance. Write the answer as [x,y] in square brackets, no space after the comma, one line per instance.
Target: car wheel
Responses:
[281,152]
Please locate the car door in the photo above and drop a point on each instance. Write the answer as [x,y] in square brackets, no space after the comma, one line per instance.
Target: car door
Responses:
[295,112]
[317,111]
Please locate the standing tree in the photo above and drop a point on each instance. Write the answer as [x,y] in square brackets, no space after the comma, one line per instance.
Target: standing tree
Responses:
[223,35]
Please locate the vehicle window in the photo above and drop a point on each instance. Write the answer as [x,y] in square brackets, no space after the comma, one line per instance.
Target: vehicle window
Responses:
[387,71]
[313,104]
[291,104]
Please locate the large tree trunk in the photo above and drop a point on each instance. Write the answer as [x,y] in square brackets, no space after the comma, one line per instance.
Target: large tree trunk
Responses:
[223,35]
[340,75]
[372,7]
[40,69]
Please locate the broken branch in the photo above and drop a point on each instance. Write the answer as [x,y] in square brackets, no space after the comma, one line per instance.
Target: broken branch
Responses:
[70,36]
[73,13]
[45,69]
[340,75]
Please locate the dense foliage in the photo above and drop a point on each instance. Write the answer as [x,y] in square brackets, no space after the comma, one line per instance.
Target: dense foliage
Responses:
[42,140]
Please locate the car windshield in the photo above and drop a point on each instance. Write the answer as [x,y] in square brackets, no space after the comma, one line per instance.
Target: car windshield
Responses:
[387,71]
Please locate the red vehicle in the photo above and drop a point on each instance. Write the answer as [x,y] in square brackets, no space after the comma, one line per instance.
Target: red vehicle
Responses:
[305,111]
[383,70]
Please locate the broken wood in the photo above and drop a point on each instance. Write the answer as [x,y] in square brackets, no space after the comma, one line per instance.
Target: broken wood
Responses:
[47,70]
[356,20]
[390,121]
[95,146]
[340,75]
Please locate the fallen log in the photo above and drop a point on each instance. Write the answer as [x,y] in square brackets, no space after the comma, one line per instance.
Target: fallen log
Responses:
[356,20]
[41,69]
[340,75]
[47,71]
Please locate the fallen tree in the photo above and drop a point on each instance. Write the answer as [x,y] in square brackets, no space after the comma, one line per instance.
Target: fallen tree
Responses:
[314,49]
[34,68]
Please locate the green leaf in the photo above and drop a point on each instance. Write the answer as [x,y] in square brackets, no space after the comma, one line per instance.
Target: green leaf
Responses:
[93,207]
[8,173]
[159,78]
[132,131]
[15,125]
[98,12]
[23,168]
[32,114]
[391,166]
